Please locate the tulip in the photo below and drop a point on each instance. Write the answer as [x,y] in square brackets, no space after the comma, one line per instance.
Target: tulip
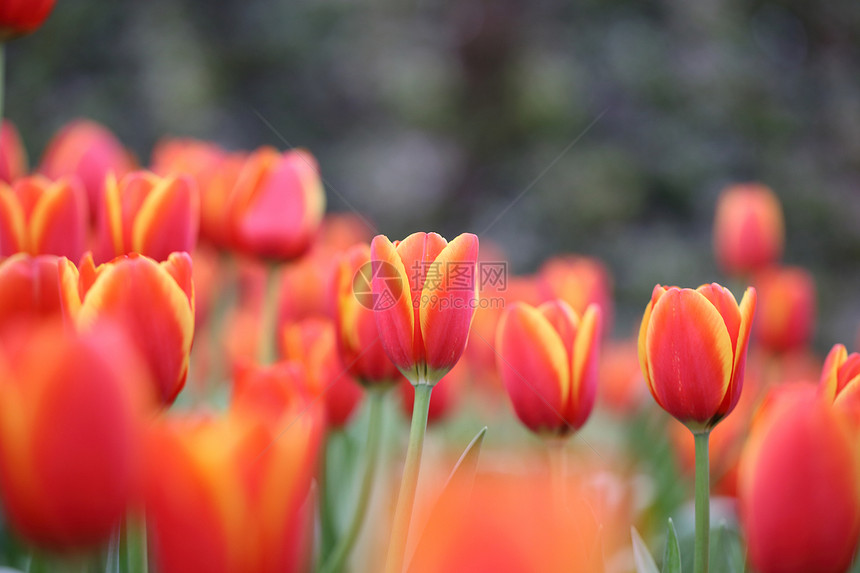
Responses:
[13,156]
[547,358]
[840,381]
[748,229]
[799,501]
[91,152]
[276,205]
[29,289]
[621,389]
[579,281]
[361,350]
[69,434]
[43,218]
[786,309]
[20,17]
[153,302]
[150,215]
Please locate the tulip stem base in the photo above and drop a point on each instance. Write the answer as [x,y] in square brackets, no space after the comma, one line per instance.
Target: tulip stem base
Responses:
[335,561]
[409,483]
[269,317]
[703,503]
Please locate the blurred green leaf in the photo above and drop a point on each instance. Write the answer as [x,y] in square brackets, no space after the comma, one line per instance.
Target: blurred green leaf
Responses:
[726,552]
[467,465]
[641,555]
[672,555]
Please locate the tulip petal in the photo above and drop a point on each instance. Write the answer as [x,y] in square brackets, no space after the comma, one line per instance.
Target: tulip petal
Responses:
[747,312]
[643,331]
[564,319]
[11,223]
[168,219]
[58,222]
[584,359]
[395,319]
[830,372]
[725,303]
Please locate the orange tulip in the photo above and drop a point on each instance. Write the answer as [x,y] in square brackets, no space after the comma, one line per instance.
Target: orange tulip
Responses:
[620,384]
[579,281]
[91,152]
[13,156]
[43,218]
[748,229]
[361,350]
[692,350]
[312,342]
[798,480]
[276,205]
[840,381]
[69,434]
[20,17]
[153,302]
[150,215]
[425,330]
[786,310]
[547,358]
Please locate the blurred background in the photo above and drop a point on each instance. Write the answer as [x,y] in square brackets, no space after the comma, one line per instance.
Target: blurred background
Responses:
[610,125]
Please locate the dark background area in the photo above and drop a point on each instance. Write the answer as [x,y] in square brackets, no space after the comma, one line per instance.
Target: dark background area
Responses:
[437,115]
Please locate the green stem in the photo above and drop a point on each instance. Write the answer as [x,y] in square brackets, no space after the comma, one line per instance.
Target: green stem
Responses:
[2,78]
[336,560]
[327,530]
[409,483]
[703,507]
[269,317]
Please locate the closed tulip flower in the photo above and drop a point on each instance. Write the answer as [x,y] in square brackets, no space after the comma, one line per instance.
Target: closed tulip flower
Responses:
[20,17]
[150,215]
[29,289]
[799,501]
[692,350]
[547,359]
[749,230]
[43,218]
[13,156]
[425,330]
[786,309]
[840,381]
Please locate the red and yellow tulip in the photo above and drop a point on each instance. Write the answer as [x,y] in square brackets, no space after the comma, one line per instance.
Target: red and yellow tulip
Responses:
[748,229]
[692,351]
[579,281]
[29,289]
[547,359]
[425,330]
[840,381]
[786,309]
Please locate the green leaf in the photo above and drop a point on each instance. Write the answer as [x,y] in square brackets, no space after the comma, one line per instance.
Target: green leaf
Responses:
[641,555]
[726,551]
[467,465]
[672,555]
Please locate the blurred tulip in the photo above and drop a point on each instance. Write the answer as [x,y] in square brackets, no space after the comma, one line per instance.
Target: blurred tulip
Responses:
[840,381]
[150,215]
[69,434]
[153,303]
[91,152]
[547,358]
[312,343]
[579,281]
[276,205]
[29,289]
[425,330]
[799,500]
[13,156]
[43,218]
[358,340]
[692,350]
[305,289]
[621,389]
[20,17]
[786,310]
[748,229]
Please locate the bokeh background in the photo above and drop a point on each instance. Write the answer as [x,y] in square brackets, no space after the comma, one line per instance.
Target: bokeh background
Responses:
[614,122]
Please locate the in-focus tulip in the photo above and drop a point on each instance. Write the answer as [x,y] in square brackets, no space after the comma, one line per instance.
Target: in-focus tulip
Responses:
[150,215]
[152,302]
[20,17]
[91,152]
[840,381]
[43,218]
[69,434]
[425,330]
[692,351]
[312,342]
[786,309]
[579,281]
[277,204]
[799,501]
[13,156]
[361,350]
[748,229]
[547,358]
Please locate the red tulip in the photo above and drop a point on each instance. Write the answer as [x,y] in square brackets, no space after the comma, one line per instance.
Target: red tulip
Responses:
[547,358]
[786,309]
[43,218]
[798,480]
[692,350]
[840,381]
[425,330]
[69,434]
[150,215]
[748,229]
[20,17]
[29,289]
[579,281]
[13,156]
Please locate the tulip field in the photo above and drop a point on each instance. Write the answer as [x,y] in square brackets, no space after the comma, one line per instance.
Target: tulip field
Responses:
[205,369]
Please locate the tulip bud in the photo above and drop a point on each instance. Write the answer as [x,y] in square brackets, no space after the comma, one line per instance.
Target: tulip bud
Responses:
[424,329]
[799,501]
[748,229]
[547,358]
[20,17]
[786,309]
[692,350]
[840,381]
[13,156]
